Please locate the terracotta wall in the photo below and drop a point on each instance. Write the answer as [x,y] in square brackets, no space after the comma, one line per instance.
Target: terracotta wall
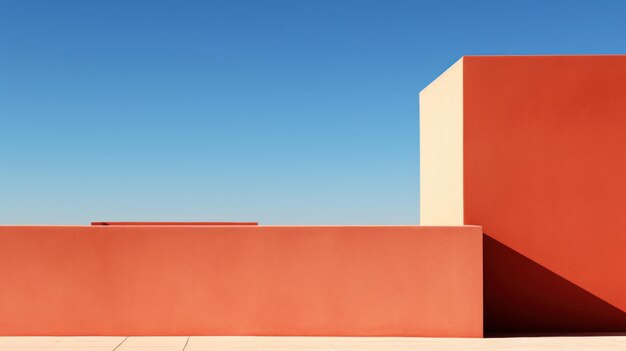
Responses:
[241,280]
[545,175]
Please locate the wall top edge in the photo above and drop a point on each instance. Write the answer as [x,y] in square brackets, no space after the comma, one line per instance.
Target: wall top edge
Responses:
[456,63]
[546,55]
[251,227]
[113,223]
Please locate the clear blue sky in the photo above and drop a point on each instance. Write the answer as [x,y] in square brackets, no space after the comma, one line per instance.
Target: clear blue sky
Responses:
[285,112]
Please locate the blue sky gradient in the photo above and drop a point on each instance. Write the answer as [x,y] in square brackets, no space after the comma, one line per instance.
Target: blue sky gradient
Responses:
[285,112]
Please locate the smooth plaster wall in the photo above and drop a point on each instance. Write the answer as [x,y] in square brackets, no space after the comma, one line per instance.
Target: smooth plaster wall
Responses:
[241,280]
[545,175]
[441,149]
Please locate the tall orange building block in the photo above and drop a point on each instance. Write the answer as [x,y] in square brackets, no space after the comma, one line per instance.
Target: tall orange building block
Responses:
[533,148]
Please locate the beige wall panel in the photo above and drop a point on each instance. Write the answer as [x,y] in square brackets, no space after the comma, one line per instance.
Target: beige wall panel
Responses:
[441,149]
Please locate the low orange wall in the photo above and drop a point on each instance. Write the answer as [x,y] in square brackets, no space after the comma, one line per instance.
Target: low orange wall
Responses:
[241,280]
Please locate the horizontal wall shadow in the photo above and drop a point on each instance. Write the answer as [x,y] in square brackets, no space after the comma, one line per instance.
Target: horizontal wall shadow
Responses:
[521,296]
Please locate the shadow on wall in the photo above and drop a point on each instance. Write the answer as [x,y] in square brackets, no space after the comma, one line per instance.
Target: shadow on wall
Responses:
[521,296]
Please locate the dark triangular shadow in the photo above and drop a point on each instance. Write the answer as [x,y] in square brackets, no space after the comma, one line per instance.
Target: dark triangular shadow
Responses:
[521,296]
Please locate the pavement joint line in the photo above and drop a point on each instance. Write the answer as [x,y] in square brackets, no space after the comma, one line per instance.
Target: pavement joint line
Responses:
[120,344]
[54,343]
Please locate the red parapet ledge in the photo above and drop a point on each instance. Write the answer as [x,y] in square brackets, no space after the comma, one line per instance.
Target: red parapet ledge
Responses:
[241,280]
[173,223]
